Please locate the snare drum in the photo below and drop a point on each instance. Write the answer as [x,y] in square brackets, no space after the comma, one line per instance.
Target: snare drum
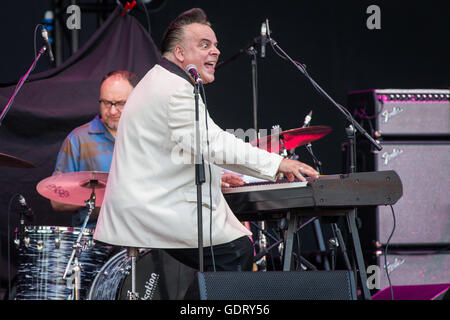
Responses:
[158,277]
[43,257]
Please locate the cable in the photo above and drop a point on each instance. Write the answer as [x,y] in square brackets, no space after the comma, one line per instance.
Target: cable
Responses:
[9,241]
[147,16]
[385,254]
[210,178]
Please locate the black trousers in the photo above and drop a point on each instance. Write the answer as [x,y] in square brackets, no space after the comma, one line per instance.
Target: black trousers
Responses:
[236,255]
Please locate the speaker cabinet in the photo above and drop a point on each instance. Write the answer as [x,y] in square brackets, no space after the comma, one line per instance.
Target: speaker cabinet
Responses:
[413,268]
[413,127]
[402,112]
[277,285]
[422,214]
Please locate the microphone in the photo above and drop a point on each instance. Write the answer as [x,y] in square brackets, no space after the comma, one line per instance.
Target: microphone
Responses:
[192,70]
[44,34]
[263,39]
[27,211]
[307,119]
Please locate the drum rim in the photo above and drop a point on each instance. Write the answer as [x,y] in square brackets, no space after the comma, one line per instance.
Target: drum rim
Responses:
[56,229]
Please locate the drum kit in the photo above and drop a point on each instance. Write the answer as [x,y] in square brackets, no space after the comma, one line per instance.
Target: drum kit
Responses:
[66,263]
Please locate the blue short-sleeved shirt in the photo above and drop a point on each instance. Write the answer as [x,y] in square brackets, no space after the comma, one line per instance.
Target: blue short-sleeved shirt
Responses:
[87,148]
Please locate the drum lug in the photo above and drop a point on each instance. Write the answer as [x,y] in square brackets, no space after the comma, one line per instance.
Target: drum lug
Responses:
[57,238]
[57,243]
[126,270]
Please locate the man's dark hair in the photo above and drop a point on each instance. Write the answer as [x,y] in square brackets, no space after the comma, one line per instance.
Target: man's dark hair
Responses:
[174,33]
[127,75]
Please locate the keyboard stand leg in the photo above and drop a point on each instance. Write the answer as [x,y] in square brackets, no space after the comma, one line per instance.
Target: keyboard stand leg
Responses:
[289,242]
[351,221]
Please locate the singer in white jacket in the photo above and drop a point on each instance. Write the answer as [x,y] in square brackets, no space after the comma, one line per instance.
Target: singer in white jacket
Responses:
[150,198]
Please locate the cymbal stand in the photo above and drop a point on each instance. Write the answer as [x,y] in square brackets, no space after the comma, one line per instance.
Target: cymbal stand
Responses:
[317,162]
[78,248]
[317,227]
[132,253]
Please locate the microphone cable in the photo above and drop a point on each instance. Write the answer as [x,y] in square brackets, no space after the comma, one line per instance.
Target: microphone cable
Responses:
[386,251]
[9,242]
[210,176]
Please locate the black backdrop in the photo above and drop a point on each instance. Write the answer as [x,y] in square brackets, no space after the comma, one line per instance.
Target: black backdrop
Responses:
[330,37]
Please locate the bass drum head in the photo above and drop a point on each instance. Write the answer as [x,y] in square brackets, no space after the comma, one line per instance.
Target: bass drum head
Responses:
[158,277]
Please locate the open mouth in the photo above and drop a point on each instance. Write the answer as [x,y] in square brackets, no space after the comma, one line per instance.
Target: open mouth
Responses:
[210,66]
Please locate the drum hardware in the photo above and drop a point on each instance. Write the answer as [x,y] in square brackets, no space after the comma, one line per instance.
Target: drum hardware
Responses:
[339,240]
[262,243]
[73,188]
[132,253]
[317,162]
[158,277]
[25,213]
[77,247]
[57,239]
[260,258]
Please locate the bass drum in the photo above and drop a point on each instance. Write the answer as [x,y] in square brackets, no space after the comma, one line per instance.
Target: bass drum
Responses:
[158,277]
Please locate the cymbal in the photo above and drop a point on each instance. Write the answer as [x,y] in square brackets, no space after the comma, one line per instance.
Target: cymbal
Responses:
[74,187]
[292,138]
[10,161]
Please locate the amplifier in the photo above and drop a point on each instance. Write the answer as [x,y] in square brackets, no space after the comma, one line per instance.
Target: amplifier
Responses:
[402,112]
[422,214]
[423,211]
[413,268]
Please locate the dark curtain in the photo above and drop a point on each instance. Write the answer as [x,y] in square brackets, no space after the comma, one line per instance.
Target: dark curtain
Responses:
[52,103]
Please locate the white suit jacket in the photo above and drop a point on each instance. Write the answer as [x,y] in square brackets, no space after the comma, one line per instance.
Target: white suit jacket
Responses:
[150,197]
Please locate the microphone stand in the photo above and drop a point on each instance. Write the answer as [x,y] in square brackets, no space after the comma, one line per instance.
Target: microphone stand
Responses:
[345,112]
[351,217]
[20,84]
[239,53]
[250,50]
[199,177]
[262,263]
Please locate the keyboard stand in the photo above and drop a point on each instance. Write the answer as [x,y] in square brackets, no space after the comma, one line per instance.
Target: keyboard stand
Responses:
[292,218]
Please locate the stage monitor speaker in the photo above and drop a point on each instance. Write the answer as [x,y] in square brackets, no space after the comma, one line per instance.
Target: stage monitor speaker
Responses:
[277,285]
[402,112]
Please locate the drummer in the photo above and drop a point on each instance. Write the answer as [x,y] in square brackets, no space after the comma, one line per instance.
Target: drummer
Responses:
[90,146]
